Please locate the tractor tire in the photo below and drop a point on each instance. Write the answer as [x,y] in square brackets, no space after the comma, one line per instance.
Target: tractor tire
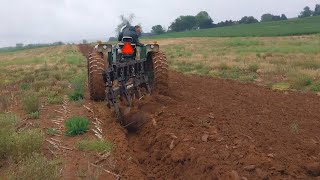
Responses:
[96,84]
[160,73]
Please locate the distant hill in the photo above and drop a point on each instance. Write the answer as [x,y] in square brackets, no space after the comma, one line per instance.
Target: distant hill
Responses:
[296,26]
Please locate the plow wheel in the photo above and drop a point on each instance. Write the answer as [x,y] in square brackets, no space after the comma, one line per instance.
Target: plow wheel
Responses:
[159,73]
[96,66]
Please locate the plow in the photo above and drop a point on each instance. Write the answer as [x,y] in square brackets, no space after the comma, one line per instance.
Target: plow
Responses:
[123,73]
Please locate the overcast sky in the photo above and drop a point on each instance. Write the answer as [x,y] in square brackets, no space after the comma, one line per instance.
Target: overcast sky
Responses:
[41,21]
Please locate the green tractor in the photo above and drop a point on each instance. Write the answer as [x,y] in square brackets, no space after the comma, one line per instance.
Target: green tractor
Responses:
[121,73]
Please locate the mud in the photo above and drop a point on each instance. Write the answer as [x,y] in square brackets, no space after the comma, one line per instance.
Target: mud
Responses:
[207,128]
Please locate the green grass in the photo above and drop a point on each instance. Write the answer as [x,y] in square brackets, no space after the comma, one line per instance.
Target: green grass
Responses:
[300,81]
[315,86]
[94,145]
[35,167]
[30,102]
[76,125]
[51,131]
[55,98]
[78,85]
[18,145]
[291,27]
[281,86]
[34,115]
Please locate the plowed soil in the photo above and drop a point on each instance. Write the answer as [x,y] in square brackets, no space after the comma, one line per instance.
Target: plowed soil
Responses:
[208,128]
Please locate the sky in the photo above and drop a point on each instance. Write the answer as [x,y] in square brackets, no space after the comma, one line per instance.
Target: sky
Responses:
[46,21]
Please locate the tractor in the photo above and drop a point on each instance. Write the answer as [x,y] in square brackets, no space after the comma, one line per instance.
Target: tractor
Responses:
[122,73]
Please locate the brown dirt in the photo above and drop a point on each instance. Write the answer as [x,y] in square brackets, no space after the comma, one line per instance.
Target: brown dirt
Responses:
[209,128]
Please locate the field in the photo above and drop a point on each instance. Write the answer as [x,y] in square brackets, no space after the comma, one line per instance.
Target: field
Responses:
[237,108]
[291,27]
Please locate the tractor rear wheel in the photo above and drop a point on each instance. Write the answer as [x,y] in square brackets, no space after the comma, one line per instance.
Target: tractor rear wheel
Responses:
[159,73]
[96,67]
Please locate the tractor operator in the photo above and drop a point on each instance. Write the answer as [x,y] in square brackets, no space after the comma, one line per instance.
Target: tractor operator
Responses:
[131,31]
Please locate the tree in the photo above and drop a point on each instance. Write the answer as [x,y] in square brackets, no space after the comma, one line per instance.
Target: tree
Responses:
[157,29]
[204,20]
[306,12]
[248,20]
[317,10]
[19,45]
[125,21]
[113,39]
[266,17]
[84,41]
[184,23]
[284,17]
[226,23]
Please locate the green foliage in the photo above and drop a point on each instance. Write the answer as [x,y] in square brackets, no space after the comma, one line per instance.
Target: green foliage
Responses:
[237,73]
[24,143]
[35,167]
[281,86]
[51,131]
[30,102]
[34,115]
[248,20]
[296,26]
[25,86]
[18,145]
[269,17]
[242,42]
[191,68]
[204,20]
[94,145]
[41,84]
[315,86]
[158,29]
[78,88]
[308,64]
[300,81]
[253,67]
[307,12]
[183,23]
[317,10]
[76,125]
[55,98]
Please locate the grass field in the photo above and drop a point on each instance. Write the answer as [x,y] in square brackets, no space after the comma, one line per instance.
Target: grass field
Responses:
[30,79]
[310,25]
[277,62]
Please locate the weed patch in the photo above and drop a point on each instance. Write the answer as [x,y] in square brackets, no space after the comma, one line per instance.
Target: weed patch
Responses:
[51,131]
[55,98]
[78,89]
[18,145]
[35,167]
[315,86]
[76,126]
[300,82]
[253,67]
[34,115]
[94,145]
[30,103]
[25,86]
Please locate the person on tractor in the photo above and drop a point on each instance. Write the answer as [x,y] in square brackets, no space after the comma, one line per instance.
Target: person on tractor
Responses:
[131,31]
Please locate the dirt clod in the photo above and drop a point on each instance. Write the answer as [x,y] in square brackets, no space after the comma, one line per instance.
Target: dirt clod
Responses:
[249,168]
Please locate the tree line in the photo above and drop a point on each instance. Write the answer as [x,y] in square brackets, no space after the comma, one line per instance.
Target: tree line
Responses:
[203,21]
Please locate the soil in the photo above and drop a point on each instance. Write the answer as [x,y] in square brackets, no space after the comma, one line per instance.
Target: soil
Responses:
[208,128]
